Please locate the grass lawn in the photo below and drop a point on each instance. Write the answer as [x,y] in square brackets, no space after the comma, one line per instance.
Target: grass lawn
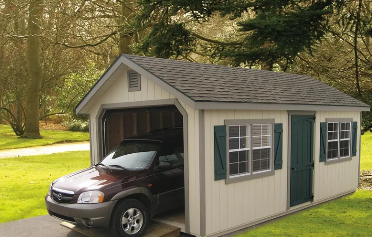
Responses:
[24,181]
[366,154]
[8,140]
[348,216]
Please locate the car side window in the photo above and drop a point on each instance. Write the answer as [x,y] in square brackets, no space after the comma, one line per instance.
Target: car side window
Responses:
[174,156]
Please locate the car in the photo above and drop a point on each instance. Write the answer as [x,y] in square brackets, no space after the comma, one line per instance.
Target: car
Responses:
[141,177]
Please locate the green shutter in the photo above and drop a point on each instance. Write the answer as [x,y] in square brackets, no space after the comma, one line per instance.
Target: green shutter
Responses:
[278,143]
[355,133]
[220,152]
[323,141]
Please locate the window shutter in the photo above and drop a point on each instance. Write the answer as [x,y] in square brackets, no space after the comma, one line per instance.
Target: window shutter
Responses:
[323,141]
[134,81]
[220,152]
[278,143]
[355,133]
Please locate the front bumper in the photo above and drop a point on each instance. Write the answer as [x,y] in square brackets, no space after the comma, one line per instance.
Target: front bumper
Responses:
[88,215]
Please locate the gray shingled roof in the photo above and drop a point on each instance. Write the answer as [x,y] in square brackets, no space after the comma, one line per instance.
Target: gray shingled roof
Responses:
[215,83]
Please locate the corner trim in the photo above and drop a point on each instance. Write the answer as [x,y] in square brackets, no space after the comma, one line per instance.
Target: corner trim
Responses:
[90,140]
[202,166]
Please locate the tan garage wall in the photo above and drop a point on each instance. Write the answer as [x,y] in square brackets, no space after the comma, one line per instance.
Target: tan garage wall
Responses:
[237,205]
[336,178]
[118,93]
[233,205]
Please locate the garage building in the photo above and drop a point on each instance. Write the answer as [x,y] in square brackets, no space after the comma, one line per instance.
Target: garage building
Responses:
[258,144]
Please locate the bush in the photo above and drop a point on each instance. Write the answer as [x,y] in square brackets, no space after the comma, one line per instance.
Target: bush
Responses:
[77,126]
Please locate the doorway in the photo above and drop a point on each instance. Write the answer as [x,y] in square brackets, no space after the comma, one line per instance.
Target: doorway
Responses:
[302,159]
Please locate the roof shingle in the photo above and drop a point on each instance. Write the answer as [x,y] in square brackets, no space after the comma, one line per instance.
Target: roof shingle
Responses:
[215,83]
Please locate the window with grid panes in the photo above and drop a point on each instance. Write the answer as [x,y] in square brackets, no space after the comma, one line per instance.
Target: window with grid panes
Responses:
[249,148]
[338,140]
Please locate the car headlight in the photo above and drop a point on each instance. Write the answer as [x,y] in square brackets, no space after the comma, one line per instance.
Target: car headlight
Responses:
[91,197]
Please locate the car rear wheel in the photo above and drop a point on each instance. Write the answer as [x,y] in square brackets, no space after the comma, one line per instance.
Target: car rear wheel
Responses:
[130,218]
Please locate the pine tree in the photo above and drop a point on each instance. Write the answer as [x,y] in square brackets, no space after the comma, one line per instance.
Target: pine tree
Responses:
[276,31]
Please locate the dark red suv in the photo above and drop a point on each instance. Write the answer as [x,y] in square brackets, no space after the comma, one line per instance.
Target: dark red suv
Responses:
[138,179]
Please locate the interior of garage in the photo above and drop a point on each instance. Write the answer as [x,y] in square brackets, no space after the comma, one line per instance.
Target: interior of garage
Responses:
[119,124]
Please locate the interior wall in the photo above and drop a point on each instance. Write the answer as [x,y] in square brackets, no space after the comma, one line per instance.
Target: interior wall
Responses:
[121,124]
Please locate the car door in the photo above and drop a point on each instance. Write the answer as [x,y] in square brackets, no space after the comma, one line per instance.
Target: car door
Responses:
[170,182]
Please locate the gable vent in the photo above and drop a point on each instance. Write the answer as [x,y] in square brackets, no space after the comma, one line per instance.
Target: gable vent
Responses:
[134,81]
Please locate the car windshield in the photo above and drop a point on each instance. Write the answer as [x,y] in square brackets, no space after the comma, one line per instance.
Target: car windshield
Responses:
[131,155]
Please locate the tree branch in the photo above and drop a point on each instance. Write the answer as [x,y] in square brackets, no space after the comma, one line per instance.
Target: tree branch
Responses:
[88,44]
[215,41]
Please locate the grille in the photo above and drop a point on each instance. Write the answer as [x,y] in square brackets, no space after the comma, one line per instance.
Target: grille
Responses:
[62,217]
[61,197]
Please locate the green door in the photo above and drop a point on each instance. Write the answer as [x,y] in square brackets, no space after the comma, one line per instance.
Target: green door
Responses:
[302,162]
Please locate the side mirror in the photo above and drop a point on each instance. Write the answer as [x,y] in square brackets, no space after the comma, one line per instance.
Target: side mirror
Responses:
[164,165]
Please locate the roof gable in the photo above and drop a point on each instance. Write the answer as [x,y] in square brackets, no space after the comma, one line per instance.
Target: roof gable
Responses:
[195,83]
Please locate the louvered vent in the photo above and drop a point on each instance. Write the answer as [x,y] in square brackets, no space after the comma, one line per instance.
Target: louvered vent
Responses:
[134,81]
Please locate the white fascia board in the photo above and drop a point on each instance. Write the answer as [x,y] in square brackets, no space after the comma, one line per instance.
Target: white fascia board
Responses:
[256,106]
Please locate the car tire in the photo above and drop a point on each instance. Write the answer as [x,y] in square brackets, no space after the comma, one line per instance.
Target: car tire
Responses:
[129,219]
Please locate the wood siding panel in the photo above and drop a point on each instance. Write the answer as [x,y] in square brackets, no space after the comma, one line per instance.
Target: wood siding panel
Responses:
[232,205]
[333,179]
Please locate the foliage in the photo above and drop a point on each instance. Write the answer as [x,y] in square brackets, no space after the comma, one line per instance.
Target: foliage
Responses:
[170,40]
[9,141]
[274,30]
[25,181]
[366,152]
[75,86]
[348,216]
[77,126]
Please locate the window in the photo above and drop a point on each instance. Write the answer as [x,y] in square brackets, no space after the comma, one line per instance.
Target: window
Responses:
[249,148]
[173,155]
[131,155]
[338,140]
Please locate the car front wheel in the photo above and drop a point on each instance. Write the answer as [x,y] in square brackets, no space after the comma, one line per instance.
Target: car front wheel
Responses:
[130,218]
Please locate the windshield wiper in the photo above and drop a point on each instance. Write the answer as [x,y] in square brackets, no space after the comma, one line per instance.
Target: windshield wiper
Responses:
[118,166]
[103,166]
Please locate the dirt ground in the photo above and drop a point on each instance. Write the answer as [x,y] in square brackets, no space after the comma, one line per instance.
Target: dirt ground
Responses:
[365,181]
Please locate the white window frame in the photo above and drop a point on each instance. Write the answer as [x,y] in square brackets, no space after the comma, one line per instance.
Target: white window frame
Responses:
[339,139]
[250,174]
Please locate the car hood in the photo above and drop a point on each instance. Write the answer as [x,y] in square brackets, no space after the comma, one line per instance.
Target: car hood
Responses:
[93,178]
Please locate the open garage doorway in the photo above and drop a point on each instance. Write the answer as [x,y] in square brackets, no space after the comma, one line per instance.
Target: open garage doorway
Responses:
[120,124]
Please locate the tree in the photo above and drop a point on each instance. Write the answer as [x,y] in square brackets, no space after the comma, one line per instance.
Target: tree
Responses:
[34,68]
[269,31]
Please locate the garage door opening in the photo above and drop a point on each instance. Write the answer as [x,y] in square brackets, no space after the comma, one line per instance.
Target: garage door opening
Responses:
[120,124]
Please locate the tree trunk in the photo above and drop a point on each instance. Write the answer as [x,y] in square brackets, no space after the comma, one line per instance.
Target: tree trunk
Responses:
[34,69]
[126,38]
[2,50]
